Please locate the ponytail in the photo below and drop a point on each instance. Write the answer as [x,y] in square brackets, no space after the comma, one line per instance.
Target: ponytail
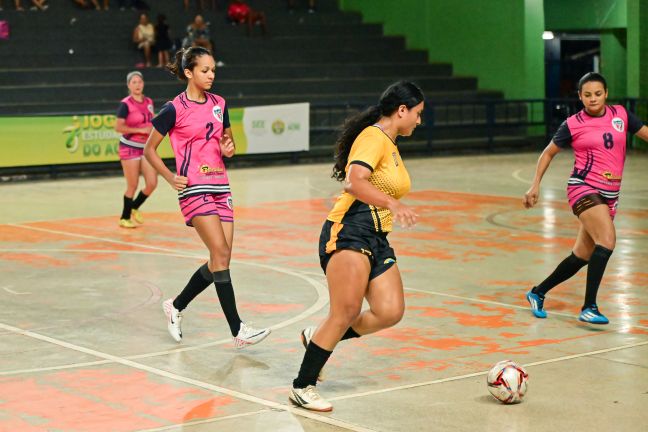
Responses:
[400,93]
[350,130]
[186,59]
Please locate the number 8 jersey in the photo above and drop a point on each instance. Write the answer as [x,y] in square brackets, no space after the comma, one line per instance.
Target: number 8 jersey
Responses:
[599,145]
[195,130]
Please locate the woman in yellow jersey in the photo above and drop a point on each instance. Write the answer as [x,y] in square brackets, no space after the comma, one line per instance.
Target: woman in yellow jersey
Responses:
[354,252]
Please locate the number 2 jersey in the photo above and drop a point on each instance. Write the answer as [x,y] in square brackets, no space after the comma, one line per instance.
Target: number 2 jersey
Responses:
[599,145]
[195,130]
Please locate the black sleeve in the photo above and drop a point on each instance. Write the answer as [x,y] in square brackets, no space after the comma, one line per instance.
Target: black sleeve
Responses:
[165,120]
[563,137]
[122,110]
[226,120]
[634,123]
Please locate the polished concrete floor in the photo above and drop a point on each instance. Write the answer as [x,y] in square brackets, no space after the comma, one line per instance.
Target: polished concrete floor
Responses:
[84,346]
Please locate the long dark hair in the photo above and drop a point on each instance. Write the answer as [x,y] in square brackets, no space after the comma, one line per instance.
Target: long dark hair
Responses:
[589,77]
[400,93]
[186,59]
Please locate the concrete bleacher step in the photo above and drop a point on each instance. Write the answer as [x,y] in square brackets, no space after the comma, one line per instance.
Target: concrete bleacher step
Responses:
[319,102]
[231,88]
[117,74]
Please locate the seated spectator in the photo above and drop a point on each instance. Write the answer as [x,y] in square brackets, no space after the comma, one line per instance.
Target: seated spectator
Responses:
[17,3]
[240,12]
[144,37]
[198,34]
[162,40]
[39,4]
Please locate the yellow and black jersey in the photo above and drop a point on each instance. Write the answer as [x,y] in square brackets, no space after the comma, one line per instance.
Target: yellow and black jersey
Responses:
[373,149]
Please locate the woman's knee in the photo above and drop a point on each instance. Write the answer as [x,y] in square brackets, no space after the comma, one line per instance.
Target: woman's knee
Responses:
[391,315]
[344,316]
[220,257]
[607,240]
[150,187]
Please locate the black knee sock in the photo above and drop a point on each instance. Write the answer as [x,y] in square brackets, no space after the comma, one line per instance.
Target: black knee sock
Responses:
[141,197]
[225,292]
[566,269]
[128,205]
[350,333]
[595,270]
[200,280]
[314,360]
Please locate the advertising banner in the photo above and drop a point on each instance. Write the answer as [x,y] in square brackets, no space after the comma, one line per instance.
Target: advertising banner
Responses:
[55,140]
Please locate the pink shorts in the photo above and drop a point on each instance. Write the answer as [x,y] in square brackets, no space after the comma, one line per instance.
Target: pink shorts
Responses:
[208,204]
[577,192]
[127,152]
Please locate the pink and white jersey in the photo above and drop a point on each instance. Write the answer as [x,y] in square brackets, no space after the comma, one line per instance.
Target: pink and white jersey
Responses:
[195,130]
[599,145]
[137,115]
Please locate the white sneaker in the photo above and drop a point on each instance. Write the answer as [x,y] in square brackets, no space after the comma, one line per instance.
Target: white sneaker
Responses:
[306,336]
[174,318]
[309,398]
[249,336]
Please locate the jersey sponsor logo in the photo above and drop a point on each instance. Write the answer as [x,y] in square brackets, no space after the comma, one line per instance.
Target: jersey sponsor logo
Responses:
[206,169]
[618,124]
[230,203]
[395,158]
[218,113]
[150,108]
[611,177]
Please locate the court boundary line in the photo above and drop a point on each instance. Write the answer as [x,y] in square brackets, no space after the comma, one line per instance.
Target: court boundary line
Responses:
[496,303]
[271,404]
[191,381]
[205,421]
[476,374]
[320,290]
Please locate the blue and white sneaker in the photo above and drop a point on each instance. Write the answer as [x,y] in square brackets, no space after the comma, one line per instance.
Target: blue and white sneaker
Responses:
[537,304]
[593,316]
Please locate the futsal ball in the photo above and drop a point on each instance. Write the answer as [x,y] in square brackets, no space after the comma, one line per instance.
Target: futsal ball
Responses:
[507,382]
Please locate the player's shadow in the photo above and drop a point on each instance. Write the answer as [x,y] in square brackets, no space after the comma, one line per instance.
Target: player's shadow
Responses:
[237,365]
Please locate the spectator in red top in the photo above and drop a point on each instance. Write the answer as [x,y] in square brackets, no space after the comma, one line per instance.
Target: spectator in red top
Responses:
[240,12]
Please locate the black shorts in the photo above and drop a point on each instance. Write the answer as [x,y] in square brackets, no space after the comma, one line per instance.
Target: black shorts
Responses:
[336,236]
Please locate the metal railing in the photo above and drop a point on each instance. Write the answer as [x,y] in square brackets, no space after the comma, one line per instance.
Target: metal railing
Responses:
[532,117]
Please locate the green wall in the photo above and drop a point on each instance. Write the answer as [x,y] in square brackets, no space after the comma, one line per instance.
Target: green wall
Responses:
[497,41]
[637,72]
[585,14]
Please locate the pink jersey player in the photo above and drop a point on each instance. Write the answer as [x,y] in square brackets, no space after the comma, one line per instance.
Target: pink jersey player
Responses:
[198,125]
[598,136]
[136,114]
[599,145]
[195,130]
[133,122]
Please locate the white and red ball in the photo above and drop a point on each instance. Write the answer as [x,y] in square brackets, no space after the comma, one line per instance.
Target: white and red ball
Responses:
[507,382]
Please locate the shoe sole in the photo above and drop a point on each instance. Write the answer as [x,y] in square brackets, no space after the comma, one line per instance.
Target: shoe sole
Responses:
[298,405]
[593,322]
[244,344]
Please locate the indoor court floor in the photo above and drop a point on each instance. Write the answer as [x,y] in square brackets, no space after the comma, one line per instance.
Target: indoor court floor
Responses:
[84,344]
